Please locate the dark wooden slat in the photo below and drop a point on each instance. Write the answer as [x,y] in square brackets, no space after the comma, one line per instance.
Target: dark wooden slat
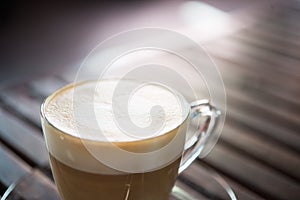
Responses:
[35,186]
[279,49]
[237,91]
[2,189]
[290,104]
[285,26]
[294,8]
[280,32]
[248,112]
[253,88]
[267,111]
[263,149]
[21,103]
[12,168]
[245,80]
[203,183]
[286,17]
[281,130]
[30,185]
[241,77]
[240,191]
[25,139]
[184,192]
[274,94]
[45,86]
[255,49]
[281,134]
[290,107]
[262,110]
[253,174]
[249,55]
[271,40]
[254,70]
[200,176]
[257,68]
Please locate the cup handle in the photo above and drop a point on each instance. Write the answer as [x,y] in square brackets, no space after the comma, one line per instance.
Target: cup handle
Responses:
[202,137]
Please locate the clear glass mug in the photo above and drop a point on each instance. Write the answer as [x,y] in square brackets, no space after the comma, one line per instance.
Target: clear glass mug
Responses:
[80,175]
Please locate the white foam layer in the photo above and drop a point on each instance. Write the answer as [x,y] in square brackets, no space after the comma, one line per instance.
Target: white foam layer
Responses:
[86,126]
[68,111]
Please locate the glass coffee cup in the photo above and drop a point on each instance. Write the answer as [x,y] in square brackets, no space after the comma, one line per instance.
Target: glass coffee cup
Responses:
[93,156]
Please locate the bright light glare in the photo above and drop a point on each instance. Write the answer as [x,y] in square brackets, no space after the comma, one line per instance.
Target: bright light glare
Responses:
[204,18]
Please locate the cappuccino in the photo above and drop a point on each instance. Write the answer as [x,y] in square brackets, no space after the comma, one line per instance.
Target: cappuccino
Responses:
[105,143]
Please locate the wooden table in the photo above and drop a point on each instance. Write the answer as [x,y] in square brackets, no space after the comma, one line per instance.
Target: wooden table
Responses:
[258,151]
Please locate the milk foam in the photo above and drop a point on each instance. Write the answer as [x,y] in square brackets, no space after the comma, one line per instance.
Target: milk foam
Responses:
[60,110]
[68,143]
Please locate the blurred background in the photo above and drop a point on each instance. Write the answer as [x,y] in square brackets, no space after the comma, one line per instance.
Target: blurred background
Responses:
[255,44]
[47,36]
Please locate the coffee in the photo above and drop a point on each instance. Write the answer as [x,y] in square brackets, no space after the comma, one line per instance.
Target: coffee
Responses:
[115,164]
[75,184]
